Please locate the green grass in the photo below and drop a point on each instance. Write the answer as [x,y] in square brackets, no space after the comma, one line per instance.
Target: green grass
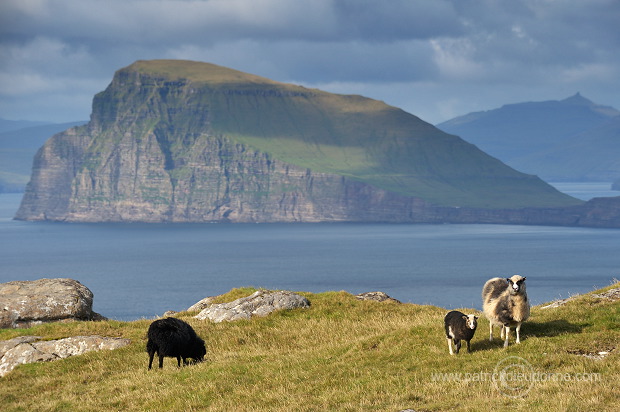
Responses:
[194,71]
[341,354]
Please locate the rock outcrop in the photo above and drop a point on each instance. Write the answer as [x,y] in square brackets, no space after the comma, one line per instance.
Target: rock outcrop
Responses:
[260,303]
[611,295]
[202,304]
[377,296]
[27,303]
[175,141]
[29,349]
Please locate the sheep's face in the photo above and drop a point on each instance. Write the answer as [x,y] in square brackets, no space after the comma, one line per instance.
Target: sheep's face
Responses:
[471,321]
[198,351]
[516,284]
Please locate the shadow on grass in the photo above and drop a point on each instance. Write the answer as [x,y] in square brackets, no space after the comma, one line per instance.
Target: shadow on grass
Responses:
[529,329]
[549,329]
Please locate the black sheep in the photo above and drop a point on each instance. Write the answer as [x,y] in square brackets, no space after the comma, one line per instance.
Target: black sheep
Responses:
[459,326]
[176,339]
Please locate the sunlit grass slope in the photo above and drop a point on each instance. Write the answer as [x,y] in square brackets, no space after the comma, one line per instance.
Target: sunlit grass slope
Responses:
[340,354]
[353,136]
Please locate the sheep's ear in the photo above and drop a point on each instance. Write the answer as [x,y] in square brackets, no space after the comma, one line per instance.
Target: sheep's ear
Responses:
[464,317]
[508,280]
[476,317]
[524,278]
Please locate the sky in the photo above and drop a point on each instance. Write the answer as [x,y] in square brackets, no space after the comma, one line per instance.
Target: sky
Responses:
[436,59]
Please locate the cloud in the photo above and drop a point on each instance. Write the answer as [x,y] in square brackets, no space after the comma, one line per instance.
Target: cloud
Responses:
[148,21]
[451,53]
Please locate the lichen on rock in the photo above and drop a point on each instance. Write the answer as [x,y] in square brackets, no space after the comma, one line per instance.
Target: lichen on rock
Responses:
[260,303]
[28,303]
[29,349]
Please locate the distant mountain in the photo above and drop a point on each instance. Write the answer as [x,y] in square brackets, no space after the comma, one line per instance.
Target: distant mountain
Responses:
[8,125]
[181,141]
[593,155]
[17,150]
[568,140]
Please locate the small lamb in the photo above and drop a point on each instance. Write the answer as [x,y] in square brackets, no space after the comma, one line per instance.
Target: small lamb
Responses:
[459,326]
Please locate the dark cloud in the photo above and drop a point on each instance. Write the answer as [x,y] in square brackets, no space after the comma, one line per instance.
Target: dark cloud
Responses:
[436,59]
[396,20]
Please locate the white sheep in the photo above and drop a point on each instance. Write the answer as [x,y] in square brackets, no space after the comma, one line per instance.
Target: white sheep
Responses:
[505,304]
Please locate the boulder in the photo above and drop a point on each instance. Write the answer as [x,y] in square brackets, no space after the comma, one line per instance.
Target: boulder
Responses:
[29,349]
[260,303]
[202,304]
[377,296]
[169,314]
[6,345]
[27,303]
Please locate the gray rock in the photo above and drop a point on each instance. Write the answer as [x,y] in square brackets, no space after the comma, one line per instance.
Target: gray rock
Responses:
[377,296]
[202,304]
[558,303]
[260,303]
[27,303]
[611,295]
[28,349]
[7,345]
[169,313]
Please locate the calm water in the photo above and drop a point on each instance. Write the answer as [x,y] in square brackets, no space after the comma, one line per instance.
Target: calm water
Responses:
[138,270]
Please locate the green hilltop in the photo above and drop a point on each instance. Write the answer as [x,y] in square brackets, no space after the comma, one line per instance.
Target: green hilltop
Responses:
[356,137]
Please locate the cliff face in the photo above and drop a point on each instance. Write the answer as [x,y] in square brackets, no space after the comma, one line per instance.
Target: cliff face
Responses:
[601,212]
[225,182]
[191,142]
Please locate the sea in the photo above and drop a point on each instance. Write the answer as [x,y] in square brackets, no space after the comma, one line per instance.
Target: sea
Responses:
[140,271]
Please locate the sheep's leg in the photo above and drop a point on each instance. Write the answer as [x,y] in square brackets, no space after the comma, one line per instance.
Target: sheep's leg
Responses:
[518,329]
[458,345]
[490,331]
[501,333]
[507,333]
[161,361]
[450,346]
[468,347]
[151,355]
[178,361]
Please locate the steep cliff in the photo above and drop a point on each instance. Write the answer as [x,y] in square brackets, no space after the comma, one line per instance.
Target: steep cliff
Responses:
[179,141]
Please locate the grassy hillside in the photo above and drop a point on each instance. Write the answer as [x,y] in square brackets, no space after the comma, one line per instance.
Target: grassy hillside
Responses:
[353,136]
[341,354]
